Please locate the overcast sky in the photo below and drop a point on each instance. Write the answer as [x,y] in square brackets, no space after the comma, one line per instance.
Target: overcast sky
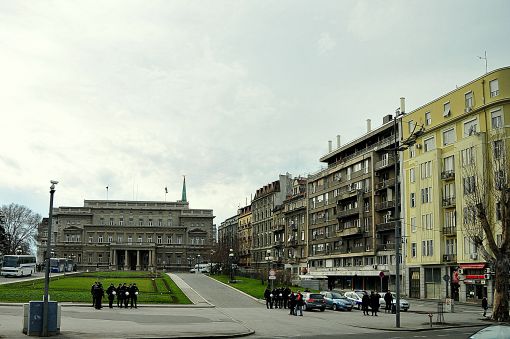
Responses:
[135,94]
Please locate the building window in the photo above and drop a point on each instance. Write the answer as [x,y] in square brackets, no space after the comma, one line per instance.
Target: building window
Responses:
[428,118]
[119,239]
[140,239]
[90,239]
[149,239]
[427,248]
[413,224]
[470,127]
[169,222]
[449,164]
[494,88]
[150,222]
[425,169]
[413,250]
[169,239]
[111,221]
[100,257]
[160,222]
[498,148]
[468,100]
[448,137]
[446,109]
[411,125]
[100,238]
[426,195]
[412,177]
[110,239]
[140,222]
[179,239]
[101,221]
[469,184]
[429,144]
[413,200]
[412,151]
[426,221]
[160,239]
[121,221]
[497,119]
[130,239]
[468,156]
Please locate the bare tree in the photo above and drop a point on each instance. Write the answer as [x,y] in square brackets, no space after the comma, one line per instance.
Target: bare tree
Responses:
[20,228]
[487,212]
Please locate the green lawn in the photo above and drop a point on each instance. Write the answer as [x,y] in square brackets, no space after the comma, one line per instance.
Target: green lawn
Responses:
[154,288]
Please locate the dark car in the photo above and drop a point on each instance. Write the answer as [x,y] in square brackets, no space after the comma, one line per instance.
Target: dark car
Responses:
[336,302]
[314,301]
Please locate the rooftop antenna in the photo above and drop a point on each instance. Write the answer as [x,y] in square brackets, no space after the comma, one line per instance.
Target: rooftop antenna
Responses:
[106,192]
[484,58]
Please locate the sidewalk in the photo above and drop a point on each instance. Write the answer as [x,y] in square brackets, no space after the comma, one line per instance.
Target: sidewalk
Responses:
[147,321]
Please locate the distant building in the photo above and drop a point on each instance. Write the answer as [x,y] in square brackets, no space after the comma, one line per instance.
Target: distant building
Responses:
[244,236]
[129,235]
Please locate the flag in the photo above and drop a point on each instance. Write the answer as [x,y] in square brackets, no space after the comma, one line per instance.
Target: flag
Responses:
[166,189]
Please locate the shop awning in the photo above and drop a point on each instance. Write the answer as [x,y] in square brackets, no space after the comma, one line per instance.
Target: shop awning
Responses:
[473,266]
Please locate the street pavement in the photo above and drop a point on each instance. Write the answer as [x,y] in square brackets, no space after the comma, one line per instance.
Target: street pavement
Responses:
[221,311]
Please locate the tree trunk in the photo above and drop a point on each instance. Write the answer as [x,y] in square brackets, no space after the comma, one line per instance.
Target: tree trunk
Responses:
[500,308]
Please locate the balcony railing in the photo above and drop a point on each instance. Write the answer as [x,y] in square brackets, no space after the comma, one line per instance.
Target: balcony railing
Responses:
[449,257]
[385,184]
[384,163]
[344,232]
[448,201]
[450,230]
[385,205]
[385,226]
[448,175]
[348,212]
[385,247]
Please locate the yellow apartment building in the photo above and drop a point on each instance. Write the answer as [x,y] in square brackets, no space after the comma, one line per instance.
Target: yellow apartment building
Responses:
[463,127]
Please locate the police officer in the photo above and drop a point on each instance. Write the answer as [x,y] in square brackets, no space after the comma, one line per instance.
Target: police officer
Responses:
[98,295]
[268,297]
[119,295]
[111,295]
[126,295]
[122,294]
[92,288]
[133,293]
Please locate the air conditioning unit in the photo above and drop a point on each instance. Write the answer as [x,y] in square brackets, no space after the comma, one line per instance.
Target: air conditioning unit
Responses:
[460,271]
[474,256]
[418,146]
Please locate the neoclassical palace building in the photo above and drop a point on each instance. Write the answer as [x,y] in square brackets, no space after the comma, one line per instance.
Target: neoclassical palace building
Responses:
[130,235]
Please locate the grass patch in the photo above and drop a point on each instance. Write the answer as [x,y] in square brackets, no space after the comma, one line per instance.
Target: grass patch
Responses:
[76,288]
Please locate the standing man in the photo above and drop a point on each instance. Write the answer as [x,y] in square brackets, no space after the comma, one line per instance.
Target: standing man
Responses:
[98,295]
[374,302]
[299,304]
[267,296]
[292,303]
[485,306]
[365,302]
[388,299]
[126,295]
[133,291]
[286,294]
[110,291]
[122,294]
[119,295]
[92,288]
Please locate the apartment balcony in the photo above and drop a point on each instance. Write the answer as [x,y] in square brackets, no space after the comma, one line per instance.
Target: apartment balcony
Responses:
[278,243]
[279,227]
[292,243]
[385,226]
[450,230]
[448,202]
[449,258]
[345,232]
[347,213]
[385,184]
[349,193]
[385,205]
[448,175]
[384,163]
[385,247]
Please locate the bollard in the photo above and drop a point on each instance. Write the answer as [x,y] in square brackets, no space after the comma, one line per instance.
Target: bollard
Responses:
[430,319]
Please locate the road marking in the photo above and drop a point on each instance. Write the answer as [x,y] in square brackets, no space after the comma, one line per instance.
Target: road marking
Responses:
[442,335]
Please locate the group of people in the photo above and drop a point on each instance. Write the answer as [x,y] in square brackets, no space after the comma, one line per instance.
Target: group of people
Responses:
[373,302]
[126,295]
[283,298]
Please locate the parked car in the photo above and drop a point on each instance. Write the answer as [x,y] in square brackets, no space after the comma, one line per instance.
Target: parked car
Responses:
[355,298]
[404,304]
[336,302]
[314,301]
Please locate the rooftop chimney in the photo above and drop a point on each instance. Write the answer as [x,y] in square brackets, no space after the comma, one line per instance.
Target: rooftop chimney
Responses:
[338,141]
[369,125]
[330,146]
[402,105]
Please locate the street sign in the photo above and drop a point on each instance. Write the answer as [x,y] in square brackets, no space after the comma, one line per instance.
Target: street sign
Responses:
[446,277]
[381,274]
[272,273]
[272,277]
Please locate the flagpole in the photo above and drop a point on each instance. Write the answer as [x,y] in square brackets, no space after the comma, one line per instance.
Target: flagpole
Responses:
[106,192]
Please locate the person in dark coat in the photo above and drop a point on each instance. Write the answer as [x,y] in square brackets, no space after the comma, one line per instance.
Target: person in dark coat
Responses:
[365,302]
[98,295]
[292,303]
[269,298]
[299,303]
[374,302]
[388,299]
[92,288]
[110,291]
[126,295]
[122,295]
[133,293]
[286,294]
[274,297]
[119,295]
[485,306]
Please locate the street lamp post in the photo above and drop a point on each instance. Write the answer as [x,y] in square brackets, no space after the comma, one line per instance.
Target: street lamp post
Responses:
[231,261]
[47,259]
[190,259]
[197,270]
[210,261]
[268,259]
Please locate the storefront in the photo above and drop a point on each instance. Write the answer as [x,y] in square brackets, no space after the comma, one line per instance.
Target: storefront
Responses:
[474,282]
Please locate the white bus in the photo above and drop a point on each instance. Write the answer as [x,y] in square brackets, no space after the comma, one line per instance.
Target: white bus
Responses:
[18,265]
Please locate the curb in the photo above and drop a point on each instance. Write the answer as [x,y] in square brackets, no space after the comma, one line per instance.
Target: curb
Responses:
[421,329]
[238,290]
